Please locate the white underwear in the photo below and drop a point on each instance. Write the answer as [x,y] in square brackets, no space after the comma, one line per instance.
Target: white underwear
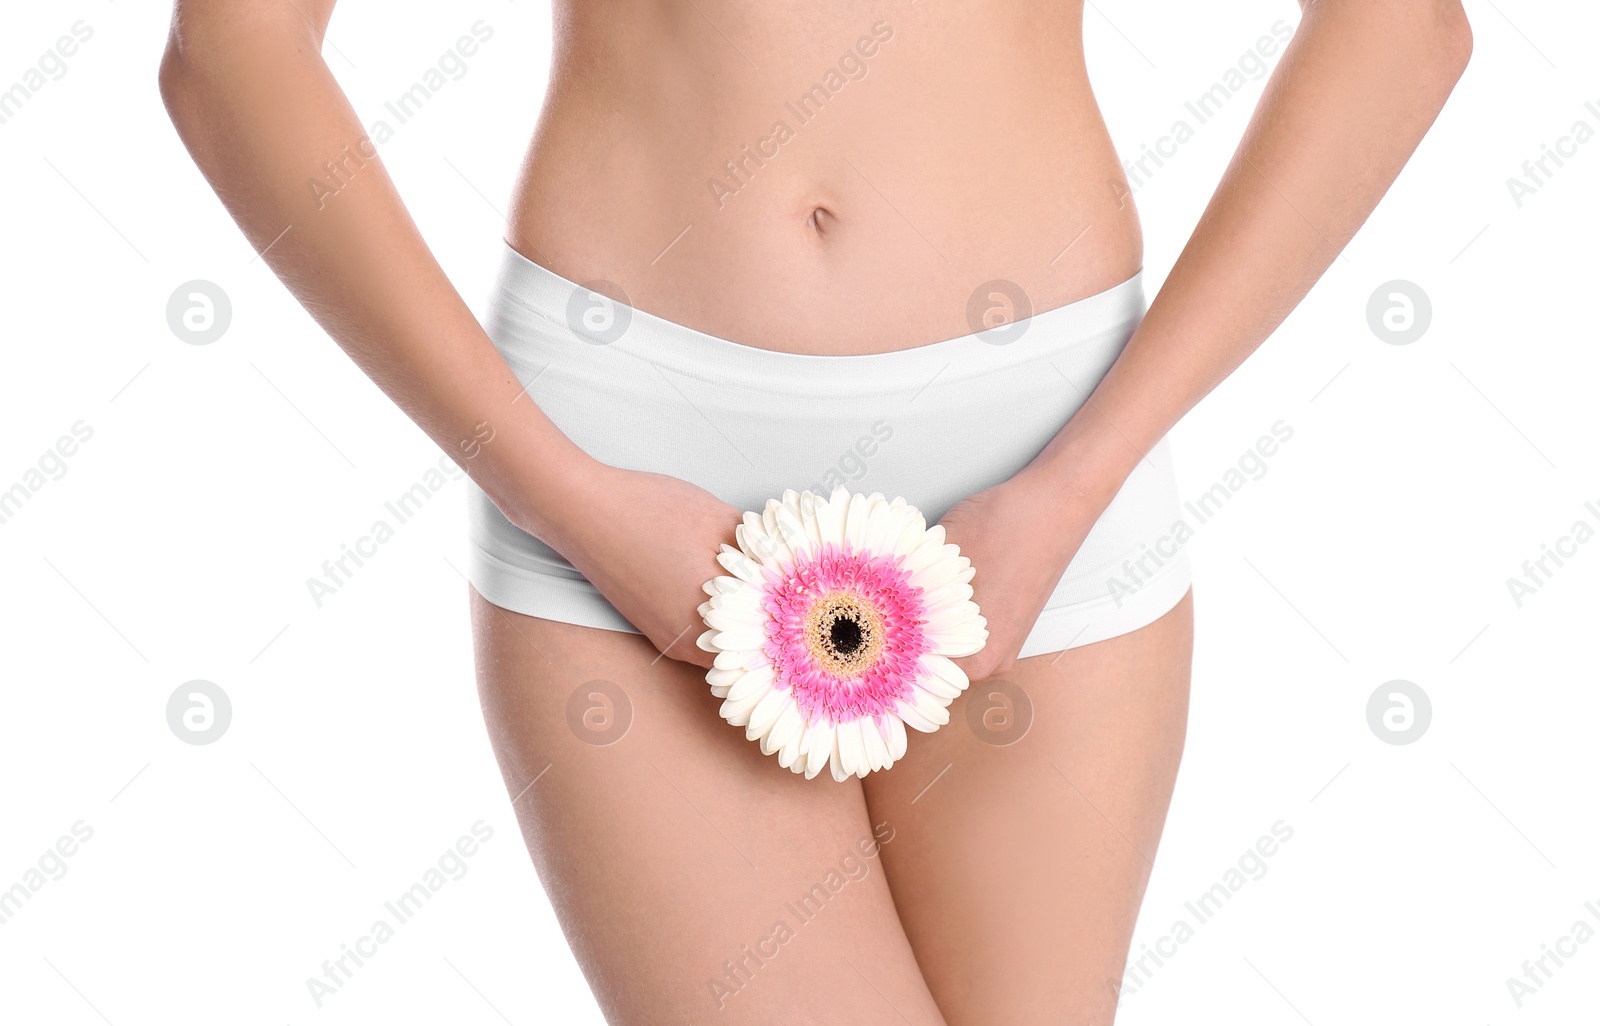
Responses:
[934,424]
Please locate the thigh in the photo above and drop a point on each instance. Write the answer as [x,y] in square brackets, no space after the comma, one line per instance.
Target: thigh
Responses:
[694,878]
[1018,868]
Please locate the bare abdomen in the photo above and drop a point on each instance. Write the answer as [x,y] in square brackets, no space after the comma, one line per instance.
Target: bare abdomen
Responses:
[829,183]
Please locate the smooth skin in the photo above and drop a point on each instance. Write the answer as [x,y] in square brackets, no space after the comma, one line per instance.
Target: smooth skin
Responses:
[1006,883]
[970,149]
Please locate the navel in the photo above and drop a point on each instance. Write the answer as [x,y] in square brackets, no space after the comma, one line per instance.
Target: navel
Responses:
[820,221]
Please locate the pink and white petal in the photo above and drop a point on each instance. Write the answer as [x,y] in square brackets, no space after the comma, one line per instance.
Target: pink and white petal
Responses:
[930,707]
[855,522]
[877,746]
[753,544]
[925,556]
[793,533]
[942,669]
[911,531]
[786,731]
[947,596]
[741,566]
[737,707]
[720,686]
[766,713]
[830,517]
[944,616]
[897,738]
[789,756]
[852,748]
[738,609]
[941,573]
[959,641]
[763,544]
[739,659]
[808,518]
[737,713]
[744,597]
[932,534]
[751,683]
[914,717]
[939,688]
[835,760]
[817,746]
[742,637]
[881,519]
[735,617]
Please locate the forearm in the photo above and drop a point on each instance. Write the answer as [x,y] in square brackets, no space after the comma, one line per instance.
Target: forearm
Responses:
[262,116]
[1357,88]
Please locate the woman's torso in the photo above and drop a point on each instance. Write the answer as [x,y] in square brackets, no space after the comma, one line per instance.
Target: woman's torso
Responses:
[827,179]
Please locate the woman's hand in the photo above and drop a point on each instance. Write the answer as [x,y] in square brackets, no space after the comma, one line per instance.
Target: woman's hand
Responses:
[648,542]
[1020,537]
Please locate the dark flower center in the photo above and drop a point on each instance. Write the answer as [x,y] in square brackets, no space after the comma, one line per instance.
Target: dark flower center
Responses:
[845,636]
[844,633]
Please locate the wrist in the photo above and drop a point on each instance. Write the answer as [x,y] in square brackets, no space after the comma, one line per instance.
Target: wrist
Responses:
[554,492]
[1084,466]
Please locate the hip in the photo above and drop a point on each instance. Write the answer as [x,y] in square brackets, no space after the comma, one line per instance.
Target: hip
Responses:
[932,424]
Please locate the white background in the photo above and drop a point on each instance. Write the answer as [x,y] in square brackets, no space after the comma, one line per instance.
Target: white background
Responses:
[219,478]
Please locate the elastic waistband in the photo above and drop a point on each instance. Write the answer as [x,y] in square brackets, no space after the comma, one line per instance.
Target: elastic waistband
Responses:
[533,288]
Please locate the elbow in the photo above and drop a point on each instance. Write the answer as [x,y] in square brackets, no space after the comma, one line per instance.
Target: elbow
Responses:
[208,43]
[175,80]
[1451,38]
[1438,33]
[169,80]
[1427,41]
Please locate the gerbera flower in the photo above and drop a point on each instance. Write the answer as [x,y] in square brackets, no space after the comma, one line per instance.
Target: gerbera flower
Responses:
[836,629]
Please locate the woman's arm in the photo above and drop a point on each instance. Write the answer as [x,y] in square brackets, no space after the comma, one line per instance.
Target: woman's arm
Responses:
[1358,86]
[1356,89]
[258,109]
[261,114]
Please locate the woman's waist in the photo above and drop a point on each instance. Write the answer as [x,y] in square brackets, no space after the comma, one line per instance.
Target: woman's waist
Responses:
[814,211]
[879,275]
[584,342]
